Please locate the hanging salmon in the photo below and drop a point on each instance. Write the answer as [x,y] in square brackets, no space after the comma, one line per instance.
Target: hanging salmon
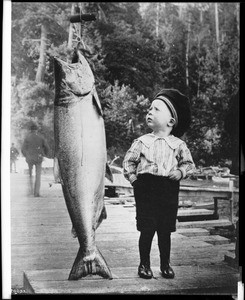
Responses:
[80,152]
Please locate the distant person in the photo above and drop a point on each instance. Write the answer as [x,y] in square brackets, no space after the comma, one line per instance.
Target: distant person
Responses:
[13,157]
[154,165]
[34,149]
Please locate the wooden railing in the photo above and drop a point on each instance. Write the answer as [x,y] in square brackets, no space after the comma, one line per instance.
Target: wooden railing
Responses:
[195,195]
[216,194]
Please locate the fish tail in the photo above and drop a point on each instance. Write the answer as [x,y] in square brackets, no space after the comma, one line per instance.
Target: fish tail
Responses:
[93,265]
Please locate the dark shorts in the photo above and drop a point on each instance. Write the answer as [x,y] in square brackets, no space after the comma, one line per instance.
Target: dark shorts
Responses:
[156,200]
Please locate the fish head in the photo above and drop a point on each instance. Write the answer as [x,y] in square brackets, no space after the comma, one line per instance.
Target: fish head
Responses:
[72,79]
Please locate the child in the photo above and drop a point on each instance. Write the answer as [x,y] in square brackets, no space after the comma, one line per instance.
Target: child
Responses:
[154,165]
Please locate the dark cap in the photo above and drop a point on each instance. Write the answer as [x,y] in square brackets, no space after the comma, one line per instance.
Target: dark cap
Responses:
[178,104]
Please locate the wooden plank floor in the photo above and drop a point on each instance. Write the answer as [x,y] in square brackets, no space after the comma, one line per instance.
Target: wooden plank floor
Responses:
[43,249]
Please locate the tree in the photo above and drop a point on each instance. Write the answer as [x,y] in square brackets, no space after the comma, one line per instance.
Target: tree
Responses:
[31,101]
[134,49]
[34,24]
[125,117]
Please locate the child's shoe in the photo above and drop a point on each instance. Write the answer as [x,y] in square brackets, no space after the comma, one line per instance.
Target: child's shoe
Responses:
[167,271]
[144,271]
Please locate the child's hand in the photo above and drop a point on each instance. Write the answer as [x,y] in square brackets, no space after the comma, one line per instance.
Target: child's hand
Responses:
[175,175]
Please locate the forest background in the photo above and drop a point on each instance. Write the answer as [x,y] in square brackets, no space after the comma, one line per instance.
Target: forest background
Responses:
[134,49]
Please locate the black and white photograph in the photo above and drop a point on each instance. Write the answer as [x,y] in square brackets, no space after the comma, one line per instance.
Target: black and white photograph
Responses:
[122,156]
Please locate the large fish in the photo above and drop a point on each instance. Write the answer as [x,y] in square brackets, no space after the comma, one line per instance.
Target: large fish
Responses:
[80,151]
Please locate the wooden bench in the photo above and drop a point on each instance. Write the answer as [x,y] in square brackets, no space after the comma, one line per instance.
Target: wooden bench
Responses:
[216,194]
[192,195]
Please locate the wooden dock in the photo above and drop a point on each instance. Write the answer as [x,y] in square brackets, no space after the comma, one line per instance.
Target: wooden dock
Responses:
[43,250]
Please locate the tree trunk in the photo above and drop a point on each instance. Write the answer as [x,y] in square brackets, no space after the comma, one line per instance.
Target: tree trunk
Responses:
[201,16]
[187,50]
[199,77]
[180,11]
[70,37]
[217,35]
[42,57]
[238,27]
[157,20]
[238,19]
[102,15]
[198,55]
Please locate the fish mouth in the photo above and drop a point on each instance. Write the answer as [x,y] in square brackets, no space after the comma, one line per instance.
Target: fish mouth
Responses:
[72,79]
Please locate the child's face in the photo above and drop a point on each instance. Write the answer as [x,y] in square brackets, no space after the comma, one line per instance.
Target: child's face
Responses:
[159,116]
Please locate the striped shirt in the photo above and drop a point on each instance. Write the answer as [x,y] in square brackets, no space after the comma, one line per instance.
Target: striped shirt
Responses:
[158,156]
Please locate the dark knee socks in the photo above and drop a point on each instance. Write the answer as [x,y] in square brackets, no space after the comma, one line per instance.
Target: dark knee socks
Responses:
[145,242]
[164,244]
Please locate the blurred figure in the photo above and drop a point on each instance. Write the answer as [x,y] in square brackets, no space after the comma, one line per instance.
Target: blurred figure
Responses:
[34,149]
[13,157]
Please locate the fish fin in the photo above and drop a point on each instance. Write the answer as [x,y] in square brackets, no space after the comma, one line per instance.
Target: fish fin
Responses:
[108,173]
[57,177]
[103,216]
[73,232]
[96,102]
[92,265]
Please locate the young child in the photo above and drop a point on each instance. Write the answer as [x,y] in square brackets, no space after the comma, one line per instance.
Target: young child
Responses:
[154,165]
